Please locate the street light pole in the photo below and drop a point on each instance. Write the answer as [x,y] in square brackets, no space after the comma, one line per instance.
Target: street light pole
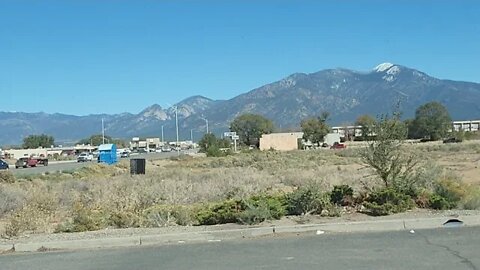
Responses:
[206,123]
[103,132]
[162,135]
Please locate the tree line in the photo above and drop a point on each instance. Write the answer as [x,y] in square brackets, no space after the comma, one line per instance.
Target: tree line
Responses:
[47,141]
[432,121]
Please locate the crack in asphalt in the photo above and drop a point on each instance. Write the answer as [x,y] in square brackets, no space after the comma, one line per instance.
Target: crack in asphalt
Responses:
[455,253]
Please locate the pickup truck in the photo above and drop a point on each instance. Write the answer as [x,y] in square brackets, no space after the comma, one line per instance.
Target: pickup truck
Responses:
[26,162]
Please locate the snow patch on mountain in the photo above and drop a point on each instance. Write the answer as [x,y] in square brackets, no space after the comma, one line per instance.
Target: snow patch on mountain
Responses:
[393,70]
[382,67]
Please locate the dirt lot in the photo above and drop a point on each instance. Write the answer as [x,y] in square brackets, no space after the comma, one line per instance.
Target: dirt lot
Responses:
[40,203]
[460,158]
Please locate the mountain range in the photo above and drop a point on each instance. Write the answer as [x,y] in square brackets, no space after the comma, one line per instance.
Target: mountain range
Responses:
[344,93]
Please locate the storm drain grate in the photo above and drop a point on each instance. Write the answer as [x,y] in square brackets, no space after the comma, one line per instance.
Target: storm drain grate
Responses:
[453,223]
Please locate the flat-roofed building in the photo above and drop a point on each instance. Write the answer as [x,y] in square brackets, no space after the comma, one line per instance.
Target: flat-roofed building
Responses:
[280,141]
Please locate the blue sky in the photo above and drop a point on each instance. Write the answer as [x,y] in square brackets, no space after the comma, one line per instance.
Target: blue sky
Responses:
[71,56]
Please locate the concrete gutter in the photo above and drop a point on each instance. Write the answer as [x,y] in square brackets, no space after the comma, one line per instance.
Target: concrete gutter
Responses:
[221,235]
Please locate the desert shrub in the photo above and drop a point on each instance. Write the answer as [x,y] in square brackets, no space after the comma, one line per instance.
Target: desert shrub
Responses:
[331,210]
[84,219]
[33,212]
[440,203]
[25,219]
[254,214]
[471,200]
[341,195]
[306,200]
[451,189]
[167,215]
[15,225]
[252,210]
[220,213]
[185,215]
[387,201]
[10,200]
[124,219]
[7,177]
[28,218]
[158,216]
[261,208]
[386,155]
[423,198]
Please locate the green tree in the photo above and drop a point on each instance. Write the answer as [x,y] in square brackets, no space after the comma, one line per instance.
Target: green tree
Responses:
[432,121]
[250,127]
[213,146]
[367,122]
[314,129]
[97,139]
[36,141]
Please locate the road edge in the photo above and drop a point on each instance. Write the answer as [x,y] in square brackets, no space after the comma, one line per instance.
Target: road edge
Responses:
[242,233]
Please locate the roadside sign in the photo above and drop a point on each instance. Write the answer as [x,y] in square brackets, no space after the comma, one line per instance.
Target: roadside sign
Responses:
[229,134]
[235,137]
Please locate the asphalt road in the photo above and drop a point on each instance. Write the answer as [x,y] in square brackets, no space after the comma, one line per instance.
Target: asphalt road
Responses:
[453,248]
[73,165]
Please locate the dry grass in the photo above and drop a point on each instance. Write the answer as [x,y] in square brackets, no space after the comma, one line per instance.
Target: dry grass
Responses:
[112,197]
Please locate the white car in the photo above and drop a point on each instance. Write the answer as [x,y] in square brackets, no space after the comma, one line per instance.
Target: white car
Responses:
[84,157]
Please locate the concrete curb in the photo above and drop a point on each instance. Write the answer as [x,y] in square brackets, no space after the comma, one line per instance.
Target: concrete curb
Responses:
[220,235]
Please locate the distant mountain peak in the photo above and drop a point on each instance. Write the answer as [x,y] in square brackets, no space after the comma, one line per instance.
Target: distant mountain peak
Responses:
[389,70]
[197,98]
[155,111]
[383,67]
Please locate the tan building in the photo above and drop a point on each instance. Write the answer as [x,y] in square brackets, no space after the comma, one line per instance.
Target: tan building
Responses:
[280,141]
[18,153]
[147,143]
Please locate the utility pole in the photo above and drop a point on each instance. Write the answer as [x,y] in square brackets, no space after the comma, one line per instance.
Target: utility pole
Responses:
[103,132]
[191,135]
[176,125]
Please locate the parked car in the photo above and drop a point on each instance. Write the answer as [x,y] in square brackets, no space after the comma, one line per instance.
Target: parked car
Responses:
[337,145]
[124,154]
[84,157]
[3,165]
[452,140]
[166,149]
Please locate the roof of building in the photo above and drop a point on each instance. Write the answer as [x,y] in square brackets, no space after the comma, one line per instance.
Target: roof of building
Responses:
[295,134]
[105,147]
